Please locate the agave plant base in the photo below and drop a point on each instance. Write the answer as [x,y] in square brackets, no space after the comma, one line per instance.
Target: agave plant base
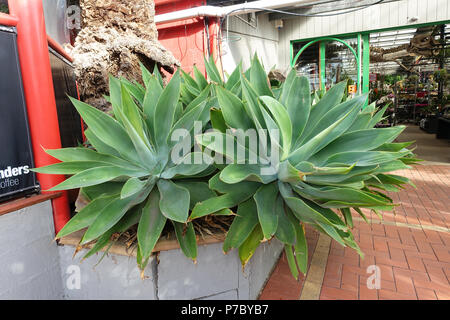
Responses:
[169,275]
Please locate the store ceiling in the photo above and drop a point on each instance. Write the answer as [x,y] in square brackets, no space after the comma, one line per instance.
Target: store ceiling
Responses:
[323,6]
[397,38]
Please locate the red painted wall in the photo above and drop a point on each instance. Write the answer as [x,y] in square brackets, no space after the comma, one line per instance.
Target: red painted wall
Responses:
[186,39]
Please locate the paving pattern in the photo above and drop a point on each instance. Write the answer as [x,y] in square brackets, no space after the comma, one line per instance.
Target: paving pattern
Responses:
[410,250]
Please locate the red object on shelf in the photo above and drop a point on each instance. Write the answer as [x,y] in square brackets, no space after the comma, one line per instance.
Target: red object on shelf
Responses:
[34,59]
[421,94]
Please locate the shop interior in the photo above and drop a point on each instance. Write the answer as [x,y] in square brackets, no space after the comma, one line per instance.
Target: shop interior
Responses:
[408,69]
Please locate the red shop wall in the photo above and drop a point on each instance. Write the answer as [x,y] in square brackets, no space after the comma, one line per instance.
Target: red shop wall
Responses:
[186,39]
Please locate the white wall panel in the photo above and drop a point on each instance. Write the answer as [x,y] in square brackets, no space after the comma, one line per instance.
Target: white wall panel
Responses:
[259,37]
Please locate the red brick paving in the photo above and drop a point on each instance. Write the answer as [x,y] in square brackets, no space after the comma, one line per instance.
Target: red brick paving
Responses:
[414,263]
[281,285]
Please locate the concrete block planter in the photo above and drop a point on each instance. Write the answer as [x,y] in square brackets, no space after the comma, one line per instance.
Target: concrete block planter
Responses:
[29,256]
[171,275]
[35,267]
[115,277]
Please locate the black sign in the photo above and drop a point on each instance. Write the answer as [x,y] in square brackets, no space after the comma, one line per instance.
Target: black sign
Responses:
[16,157]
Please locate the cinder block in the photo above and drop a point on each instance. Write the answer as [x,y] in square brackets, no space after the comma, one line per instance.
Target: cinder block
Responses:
[34,267]
[115,277]
[261,265]
[180,278]
[28,254]
[42,286]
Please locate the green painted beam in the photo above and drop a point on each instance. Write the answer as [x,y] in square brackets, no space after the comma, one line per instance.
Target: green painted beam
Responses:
[358,66]
[354,34]
[322,66]
[366,63]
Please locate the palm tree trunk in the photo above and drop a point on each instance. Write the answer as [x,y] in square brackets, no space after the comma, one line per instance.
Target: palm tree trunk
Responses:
[116,35]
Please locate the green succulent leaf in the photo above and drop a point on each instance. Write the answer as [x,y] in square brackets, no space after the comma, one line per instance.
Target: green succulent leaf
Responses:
[212,71]
[331,99]
[291,261]
[150,225]
[217,120]
[234,78]
[232,108]
[202,83]
[72,167]
[187,166]
[243,224]
[361,140]
[285,229]
[165,111]
[174,201]
[127,221]
[99,145]
[298,103]
[228,200]
[235,173]
[94,176]
[108,217]
[331,159]
[151,98]
[85,217]
[281,117]
[301,249]
[265,199]
[84,154]
[131,187]
[259,78]
[107,129]
[199,191]
[248,247]
[186,237]
[146,75]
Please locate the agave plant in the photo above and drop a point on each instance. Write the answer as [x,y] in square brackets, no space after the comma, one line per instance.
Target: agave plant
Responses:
[331,161]
[127,172]
[322,158]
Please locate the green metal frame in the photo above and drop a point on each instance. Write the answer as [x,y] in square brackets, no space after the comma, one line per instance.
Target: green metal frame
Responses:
[322,41]
[293,61]
[322,64]
[363,56]
[366,62]
[354,34]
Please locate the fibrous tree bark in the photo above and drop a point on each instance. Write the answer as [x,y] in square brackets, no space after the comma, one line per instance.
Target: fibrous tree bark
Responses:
[115,36]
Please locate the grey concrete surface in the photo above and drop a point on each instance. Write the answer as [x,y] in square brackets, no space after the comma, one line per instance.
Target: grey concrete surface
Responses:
[115,277]
[33,266]
[29,257]
[427,146]
[214,272]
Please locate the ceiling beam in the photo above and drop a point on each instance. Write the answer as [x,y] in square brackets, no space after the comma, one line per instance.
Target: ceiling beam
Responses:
[324,7]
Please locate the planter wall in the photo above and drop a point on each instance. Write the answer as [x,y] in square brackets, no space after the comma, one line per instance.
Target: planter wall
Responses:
[29,257]
[116,277]
[215,276]
[35,267]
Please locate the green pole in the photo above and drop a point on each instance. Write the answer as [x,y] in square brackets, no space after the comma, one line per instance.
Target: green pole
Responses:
[322,66]
[359,60]
[366,62]
[291,54]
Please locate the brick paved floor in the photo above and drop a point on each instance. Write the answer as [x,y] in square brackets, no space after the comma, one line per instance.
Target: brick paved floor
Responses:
[410,247]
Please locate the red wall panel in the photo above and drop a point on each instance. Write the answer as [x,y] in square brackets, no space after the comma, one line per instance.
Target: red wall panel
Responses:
[185,39]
